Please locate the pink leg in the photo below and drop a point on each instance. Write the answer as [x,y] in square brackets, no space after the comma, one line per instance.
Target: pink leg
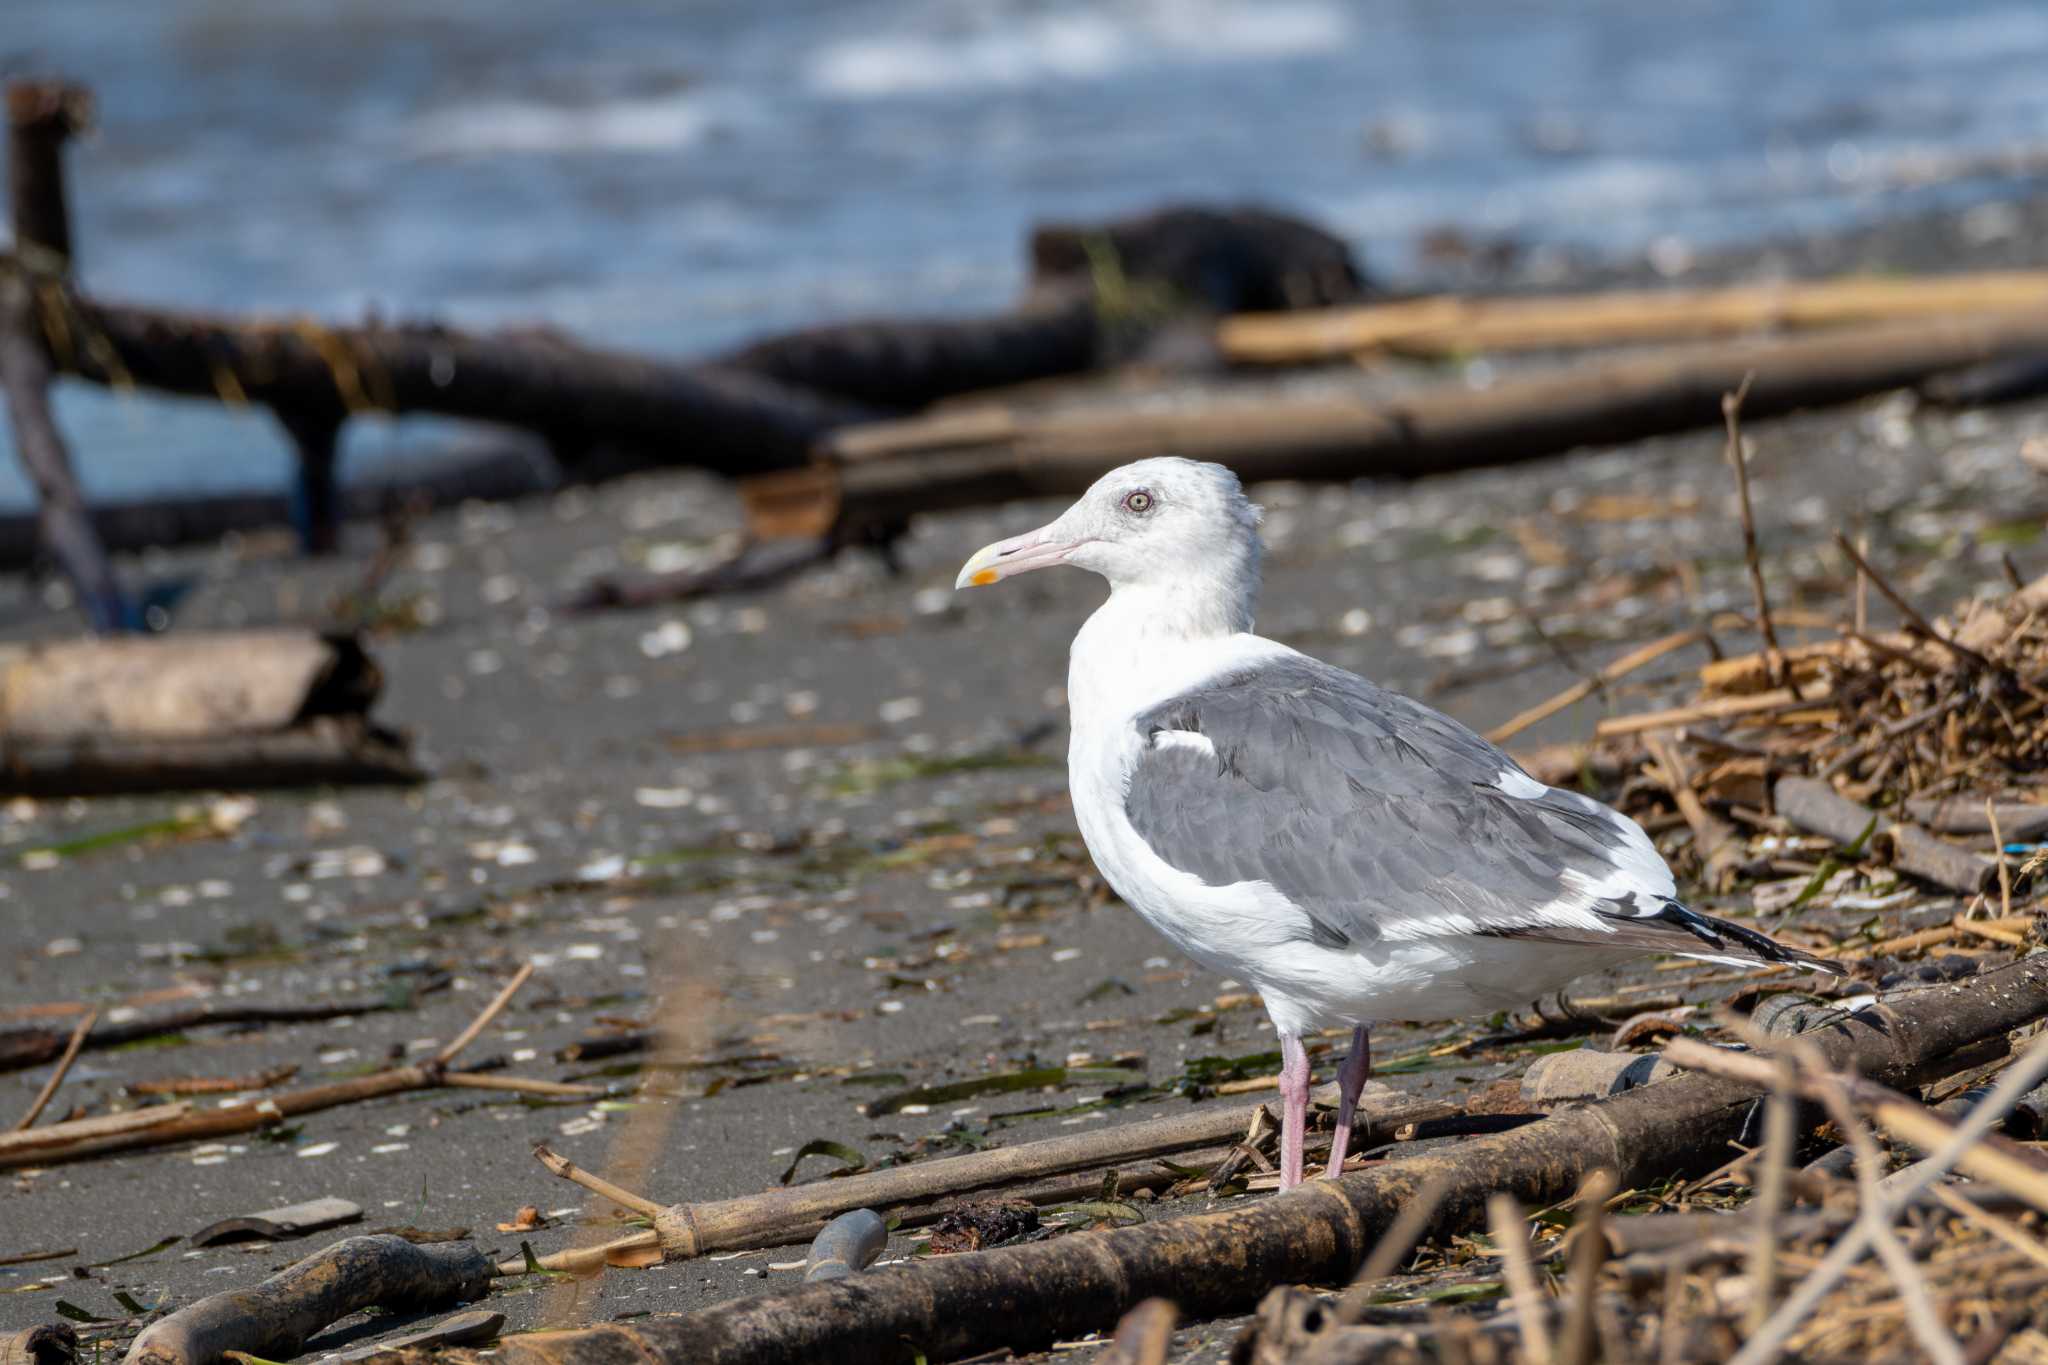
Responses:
[1351,1079]
[1293,1108]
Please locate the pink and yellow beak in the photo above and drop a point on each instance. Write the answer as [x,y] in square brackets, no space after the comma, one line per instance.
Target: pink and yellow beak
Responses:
[1040,549]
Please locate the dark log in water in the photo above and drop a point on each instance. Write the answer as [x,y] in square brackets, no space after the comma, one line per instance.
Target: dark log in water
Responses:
[1097,294]
[311,373]
[1242,259]
[61,523]
[41,117]
[897,363]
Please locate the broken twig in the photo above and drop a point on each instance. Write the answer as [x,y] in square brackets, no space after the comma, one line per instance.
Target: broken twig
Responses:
[57,1074]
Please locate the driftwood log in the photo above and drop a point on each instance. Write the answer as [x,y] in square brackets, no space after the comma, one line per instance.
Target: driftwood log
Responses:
[51,1343]
[1018,1297]
[905,364]
[41,117]
[1239,259]
[1995,381]
[62,525]
[326,750]
[791,1215]
[274,1320]
[238,709]
[1095,294]
[882,473]
[1814,806]
[1451,325]
[313,374]
[188,687]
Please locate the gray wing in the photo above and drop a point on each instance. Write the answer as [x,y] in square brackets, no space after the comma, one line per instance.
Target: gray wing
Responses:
[1378,817]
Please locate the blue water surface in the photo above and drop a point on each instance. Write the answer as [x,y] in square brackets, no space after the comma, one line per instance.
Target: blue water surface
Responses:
[679,177]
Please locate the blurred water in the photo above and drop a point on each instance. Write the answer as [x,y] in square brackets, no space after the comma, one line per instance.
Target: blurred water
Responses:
[679,177]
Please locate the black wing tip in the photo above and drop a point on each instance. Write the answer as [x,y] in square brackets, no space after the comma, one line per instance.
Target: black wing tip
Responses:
[1723,933]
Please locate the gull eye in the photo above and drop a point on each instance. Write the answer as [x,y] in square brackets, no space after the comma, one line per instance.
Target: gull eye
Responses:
[1138,501]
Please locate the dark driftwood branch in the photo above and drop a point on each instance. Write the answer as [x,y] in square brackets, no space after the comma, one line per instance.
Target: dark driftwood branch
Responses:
[314,376]
[24,1047]
[62,524]
[2018,821]
[1020,1296]
[274,1319]
[1097,291]
[316,498]
[41,117]
[1812,805]
[310,371]
[952,460]
[1997,381]
[908,363]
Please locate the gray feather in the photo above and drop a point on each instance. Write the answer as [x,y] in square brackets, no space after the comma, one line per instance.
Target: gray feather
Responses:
[1367,810]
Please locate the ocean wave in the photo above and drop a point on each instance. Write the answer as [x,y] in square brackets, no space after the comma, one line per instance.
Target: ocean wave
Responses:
[1077,44]
[498,127]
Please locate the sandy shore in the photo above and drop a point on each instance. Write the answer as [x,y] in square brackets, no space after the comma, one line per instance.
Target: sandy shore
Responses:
[838,919]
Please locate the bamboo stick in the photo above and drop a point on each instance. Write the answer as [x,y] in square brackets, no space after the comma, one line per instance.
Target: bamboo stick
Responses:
[1579,691]
[1455,326]
[689,1230]
[2018,1170]
[1715,708]
[1713,838]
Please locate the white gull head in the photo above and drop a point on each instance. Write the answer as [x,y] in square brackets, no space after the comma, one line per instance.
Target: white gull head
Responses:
[1179,535]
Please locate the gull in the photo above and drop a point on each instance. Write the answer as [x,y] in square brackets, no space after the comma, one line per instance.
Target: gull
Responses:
[1354,855]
